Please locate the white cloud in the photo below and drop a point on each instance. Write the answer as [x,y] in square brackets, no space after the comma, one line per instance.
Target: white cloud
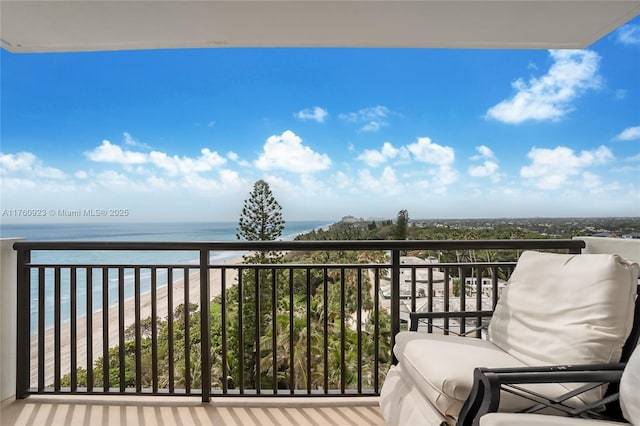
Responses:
[484,152]
[374,158]
[110,153]
[387,183]
[28,164]
[550,97]
[230,179]
[316,114]
[426,151]
[629,134]
[175,165]
[286,152]
[343,181]
[442,178]
[371,118]
[633,158]
[551,168]
[112,179]
[489,168]
[22,161]
[236,158]
[629,34]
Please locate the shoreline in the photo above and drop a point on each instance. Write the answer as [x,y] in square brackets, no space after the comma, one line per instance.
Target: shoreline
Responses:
[177,287]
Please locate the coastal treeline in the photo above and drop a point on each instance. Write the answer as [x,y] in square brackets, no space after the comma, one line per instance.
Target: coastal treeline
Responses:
[284,327]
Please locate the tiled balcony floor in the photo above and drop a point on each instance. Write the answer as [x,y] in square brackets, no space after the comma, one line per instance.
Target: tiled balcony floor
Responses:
[169,411]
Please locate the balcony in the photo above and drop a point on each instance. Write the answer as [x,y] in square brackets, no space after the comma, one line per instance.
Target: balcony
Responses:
[321,361]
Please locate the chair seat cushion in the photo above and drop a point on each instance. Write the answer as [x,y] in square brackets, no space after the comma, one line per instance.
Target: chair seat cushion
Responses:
[441,368]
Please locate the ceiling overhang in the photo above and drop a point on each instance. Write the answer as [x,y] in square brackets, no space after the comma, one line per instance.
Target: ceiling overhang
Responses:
[95,25]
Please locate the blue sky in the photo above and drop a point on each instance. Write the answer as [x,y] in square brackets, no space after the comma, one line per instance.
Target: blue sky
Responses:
[184,134]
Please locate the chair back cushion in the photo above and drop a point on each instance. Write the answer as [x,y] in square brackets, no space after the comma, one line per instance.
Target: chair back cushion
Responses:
[630,389]
[566,308]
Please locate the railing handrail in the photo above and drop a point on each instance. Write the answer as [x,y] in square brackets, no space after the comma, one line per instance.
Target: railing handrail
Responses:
[573,245]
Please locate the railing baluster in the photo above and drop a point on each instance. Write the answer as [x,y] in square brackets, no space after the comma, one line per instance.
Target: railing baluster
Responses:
[41,328]
[121,328]
[187,337]
[308,309]
[446,300]
[205,327]
[462,275]
[73,332]
[170,342]
[343,331]
[23,350]
[89,325]
[240,330]
[105,330]
[376,332]
[223,320]
[395,299]
[56,330]
[430,299]
[413,289]
[325,303]
[137,331]
[359,329]
[274,329]
[494,287]
[257,320]
[154,330]
[479,295]
[292,359]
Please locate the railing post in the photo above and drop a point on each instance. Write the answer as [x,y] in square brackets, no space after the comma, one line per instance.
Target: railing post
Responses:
[395,299]
[205,326]
[23,365]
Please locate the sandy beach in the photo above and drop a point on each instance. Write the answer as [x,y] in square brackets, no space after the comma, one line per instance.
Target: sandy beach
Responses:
[80,340]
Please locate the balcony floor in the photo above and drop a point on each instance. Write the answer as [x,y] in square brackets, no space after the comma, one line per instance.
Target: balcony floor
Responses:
[136,410]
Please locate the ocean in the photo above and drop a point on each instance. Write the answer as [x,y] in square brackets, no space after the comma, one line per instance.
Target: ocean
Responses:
[168,231]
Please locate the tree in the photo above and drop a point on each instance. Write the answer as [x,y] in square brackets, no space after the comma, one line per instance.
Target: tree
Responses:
[261,220]
[402,221]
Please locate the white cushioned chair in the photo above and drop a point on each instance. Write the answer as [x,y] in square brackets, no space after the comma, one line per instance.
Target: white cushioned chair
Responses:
[556,309]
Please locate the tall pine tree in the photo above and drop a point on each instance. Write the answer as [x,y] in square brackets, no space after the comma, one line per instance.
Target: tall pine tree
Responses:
[261,220]
[400,231]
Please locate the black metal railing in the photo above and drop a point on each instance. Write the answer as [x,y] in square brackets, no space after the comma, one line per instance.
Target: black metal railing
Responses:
[254,329]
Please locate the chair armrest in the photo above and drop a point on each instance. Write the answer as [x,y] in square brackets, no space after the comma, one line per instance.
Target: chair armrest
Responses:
[489,382]
[417,317]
